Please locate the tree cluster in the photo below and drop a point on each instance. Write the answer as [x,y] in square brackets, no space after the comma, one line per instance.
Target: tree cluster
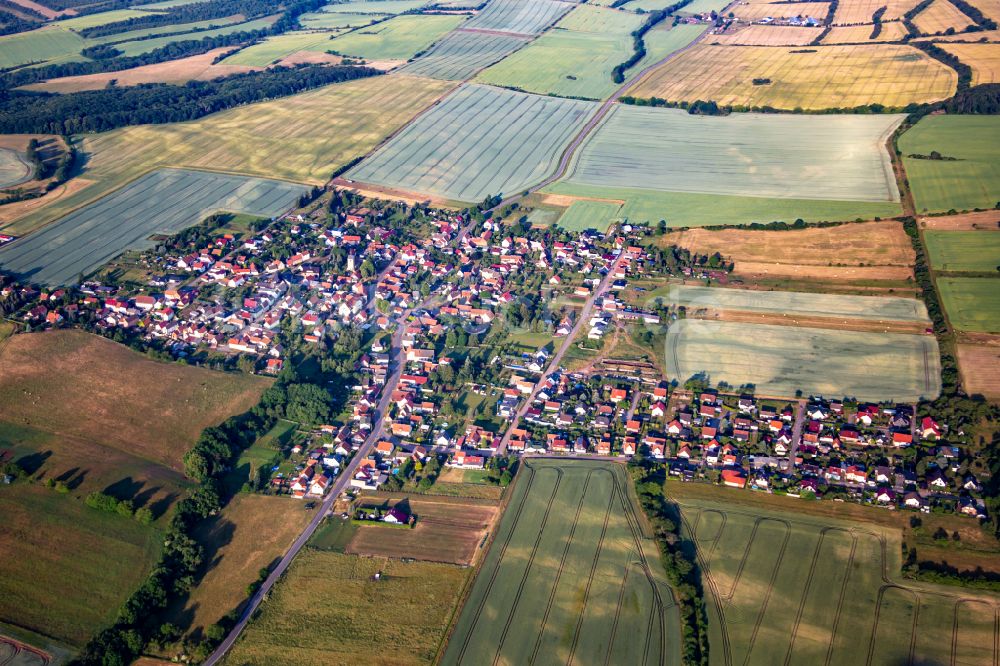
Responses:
[189,13]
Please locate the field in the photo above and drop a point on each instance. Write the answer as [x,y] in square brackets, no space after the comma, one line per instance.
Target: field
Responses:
[301,138]
[571,577]
[140,46]
[13,168]
[781,360]
[447,531]
[374,6]
[46,377]
[984,59]
[249,534]
[754,10]
[398,38]
[461,54]
[703,7]
[785,587]
[583,215]
[523,17]
[66,568]
[323,20]
[479,141]
[42,44]
[987,220]
[972,304]
[275,48]
[758,155]
[825,77]
[165,201]
[847,34]
[769,35]
[100,18]
[971,181]
[328,609]
[940,16]
[968,251]
[793,303]
[980,366]
[861,11]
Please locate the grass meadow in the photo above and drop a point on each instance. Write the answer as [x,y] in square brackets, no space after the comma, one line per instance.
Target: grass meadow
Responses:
[582,215]
[963,251]
[972,304]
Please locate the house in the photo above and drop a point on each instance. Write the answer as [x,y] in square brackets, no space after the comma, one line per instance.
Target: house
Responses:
[929,429]
[733,478]
[902,439]
[913,500]
[885,496]
[395,516]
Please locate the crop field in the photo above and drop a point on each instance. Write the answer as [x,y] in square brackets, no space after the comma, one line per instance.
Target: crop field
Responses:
[277,47]
[781,360]
[882,308]
[940,16]
[850,12]
[754,10]
[848,34]
[583,215]
[398,38]
[986,220]
[972,180]
[165,201]
[742,154]
[42,44]
[703,7]
[785,587]
[67,593]
[100,18]
[968,251]
[13,168]
[478,141]
[769,35]
[824,77]
[329,609]
[570,577]
[330,21]
[523,17]
[972,304]
[375,6]
[140,46]
[984,59]
[980,366]
[461,54]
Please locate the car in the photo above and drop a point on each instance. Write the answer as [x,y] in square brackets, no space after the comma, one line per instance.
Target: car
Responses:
[310,506]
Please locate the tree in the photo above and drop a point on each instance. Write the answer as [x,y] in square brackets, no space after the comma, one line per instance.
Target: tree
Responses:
[367,269]
[308,404]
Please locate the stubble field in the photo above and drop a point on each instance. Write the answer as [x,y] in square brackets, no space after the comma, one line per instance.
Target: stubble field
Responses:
[984,59]
[860,11]
[939,17]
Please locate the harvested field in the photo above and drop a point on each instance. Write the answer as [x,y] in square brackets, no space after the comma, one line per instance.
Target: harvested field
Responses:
[963,251]
[980,367]
[754,10]
[14,169]
[792,303]
[446,531]
[939,17]
[824,77]
[853,34]
[988,220]
[768,35]
[569,569]
[851,12]
[165,201]
[808,272]
[498,141]
[583,215]
[46,377]
[984,59]
[811,321]
[782,360]
[399,38]
[461,54]
[329,609]
[972,304]
[42,9]
[742,154]
[972,180]
[251,533]
[524,17]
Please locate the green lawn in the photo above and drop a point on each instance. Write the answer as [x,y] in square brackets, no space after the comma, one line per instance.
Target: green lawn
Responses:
[334,534]
[963,251]
[399,38]
[972,304]
[583,215]
[972,180]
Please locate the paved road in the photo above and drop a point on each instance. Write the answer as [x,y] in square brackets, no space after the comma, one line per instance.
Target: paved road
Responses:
[557,358]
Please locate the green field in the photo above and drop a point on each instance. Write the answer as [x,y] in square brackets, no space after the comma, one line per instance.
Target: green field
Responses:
[696,7]
[524,17]
[972,304]
[100,18]
[783,360]
[277,47]
[972,180]
[38,45]
[963,251]
[784,587]
[329,20]
[461,54]
[398,38]
[570,577]
[478,141]
[375,6]
[140,46]
[582,215]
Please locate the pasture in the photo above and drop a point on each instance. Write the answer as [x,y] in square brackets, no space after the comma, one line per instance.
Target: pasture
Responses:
[523,17]
[984,59]
[939,17]
[786,587]
[821,77]
[329,609]
[972,180]
[972,304]
[758,155]
[399,38]
[963,251]
[980,366]
[165,201]
[784,360]
[461,54]
[570,576]
[582,215]
[477,142]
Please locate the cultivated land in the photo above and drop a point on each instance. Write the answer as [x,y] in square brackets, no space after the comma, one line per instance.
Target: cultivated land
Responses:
[963,251]
[165,202]
[582,215]
[785,587]
[331,21]
[460,54]
[37,45]
[861,11]
[14,168]
[769,35]
[526,17]
[972,304]
[972,180]
[782,360]
[987,220]
[824,77]
[759,155]
[754,10]
[301,138]
[853,34]
[273,49]
[479,141]
[570,576]
[329,609]
[984,59]
[980,366]
[398,38]
[65,569]
[939,17]
[375,6]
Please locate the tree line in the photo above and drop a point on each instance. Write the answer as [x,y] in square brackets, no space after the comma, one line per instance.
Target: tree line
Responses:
[191,13]
[638,35]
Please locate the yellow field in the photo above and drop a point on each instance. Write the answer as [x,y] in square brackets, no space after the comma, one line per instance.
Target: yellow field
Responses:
[769,35]
[855,34]
[301,138]
[991,8]
[940,16]
[970,37]
[825,77]
[980,366]
[984,59]
[860,11]
[754,10]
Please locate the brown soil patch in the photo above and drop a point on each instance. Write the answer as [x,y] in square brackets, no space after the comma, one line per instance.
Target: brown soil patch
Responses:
[980,366]
[192,68]
[753,269]
[47,12]
[987,220]
[864,325]
[566,200]
[73,383]
[320,58]
[12,212]
[381,192]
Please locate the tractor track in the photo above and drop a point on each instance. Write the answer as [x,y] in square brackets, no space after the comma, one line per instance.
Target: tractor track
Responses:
[770,587]
[840,601]
[878,611]
[727,650]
